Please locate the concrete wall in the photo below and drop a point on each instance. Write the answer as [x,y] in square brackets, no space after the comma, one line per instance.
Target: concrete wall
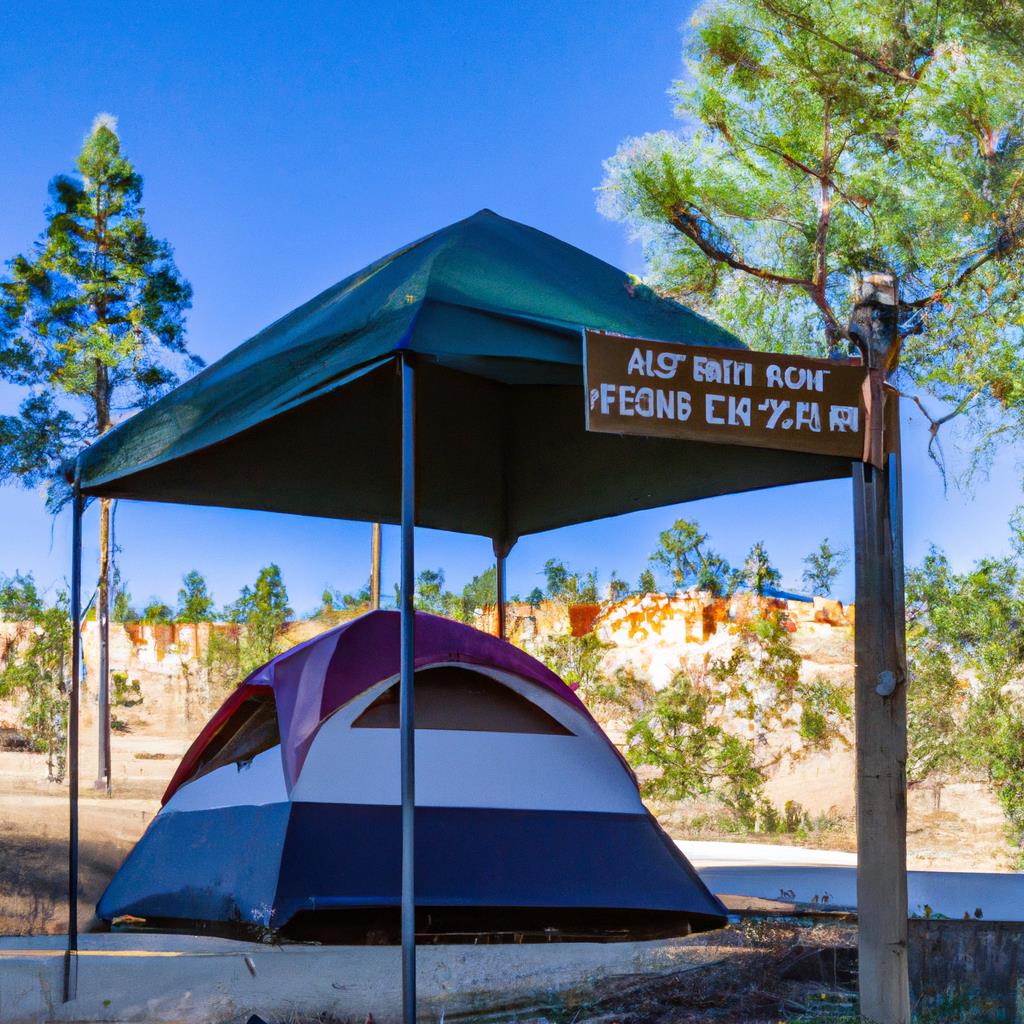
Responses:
[974,960]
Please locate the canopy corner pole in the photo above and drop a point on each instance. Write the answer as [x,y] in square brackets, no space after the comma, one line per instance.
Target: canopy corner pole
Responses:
[75,609]
[501,550]
[407,707]
[500,587]
[881,744]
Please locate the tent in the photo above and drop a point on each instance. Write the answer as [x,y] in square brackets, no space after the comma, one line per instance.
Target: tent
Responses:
[284,815]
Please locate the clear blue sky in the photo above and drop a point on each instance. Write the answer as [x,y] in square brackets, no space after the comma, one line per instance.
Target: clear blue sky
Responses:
[285,146]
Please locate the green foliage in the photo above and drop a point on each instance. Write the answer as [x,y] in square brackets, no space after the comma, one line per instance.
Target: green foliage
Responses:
[762,675]
[682,735]
[261,610]
[334,600]
[122,610]
[92,321]
[195,604]
[825,713]
[617,588]
[37,675]
[577,660]
[825,138]
[647,584]
[684,731]
[430,593]
[20,600]
[480,591]
[823,567]
[224,660]
[758,573]
[683,555]
[125,694]
[569,585]
[535,597]
[157,613]
[965,643]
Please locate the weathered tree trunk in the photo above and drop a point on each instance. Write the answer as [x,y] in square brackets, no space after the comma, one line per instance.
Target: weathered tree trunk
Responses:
[103,424]
[880,682]
[103,620]
[375,567]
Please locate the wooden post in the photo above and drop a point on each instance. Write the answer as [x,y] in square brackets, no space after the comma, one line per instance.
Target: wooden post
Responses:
[375,567]
[103,622]
[880,691]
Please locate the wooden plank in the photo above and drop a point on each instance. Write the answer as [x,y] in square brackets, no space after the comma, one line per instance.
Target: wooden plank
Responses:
[881,734]
[724,396]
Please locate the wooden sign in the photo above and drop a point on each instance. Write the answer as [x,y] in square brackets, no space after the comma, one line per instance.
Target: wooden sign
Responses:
[722,395]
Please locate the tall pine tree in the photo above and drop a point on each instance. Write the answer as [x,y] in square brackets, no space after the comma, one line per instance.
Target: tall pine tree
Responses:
[826,139]
[91,324]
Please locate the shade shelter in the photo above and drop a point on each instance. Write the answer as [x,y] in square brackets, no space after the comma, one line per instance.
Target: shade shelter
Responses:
[442,386]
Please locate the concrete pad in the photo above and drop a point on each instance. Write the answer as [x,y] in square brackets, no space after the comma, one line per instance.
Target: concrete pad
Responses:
[134,977]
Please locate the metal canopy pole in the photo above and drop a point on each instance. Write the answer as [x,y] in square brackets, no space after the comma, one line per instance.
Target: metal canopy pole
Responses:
[407,712]
[500,587]
[75,600]
[501,551]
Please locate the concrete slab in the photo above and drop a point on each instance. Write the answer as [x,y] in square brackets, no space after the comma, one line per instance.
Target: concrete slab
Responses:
[191,980]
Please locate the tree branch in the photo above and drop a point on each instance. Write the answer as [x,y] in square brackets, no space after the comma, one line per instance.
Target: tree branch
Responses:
[939,293]
[687,222]
[807,25]
[824,206]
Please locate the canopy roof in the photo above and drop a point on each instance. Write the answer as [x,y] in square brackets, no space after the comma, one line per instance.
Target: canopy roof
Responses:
[305,416]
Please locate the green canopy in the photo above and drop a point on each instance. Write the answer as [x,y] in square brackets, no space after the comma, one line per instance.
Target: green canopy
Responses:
[305,417]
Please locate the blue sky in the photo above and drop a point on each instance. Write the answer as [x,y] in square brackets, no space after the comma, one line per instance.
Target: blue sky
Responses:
[284,146]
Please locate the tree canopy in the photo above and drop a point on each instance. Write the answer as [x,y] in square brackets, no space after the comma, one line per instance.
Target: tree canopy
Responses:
[823,567]
[195,603]
[92,319]
[823,139]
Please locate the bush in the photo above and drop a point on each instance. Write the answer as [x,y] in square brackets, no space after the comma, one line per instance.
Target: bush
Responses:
[125,694]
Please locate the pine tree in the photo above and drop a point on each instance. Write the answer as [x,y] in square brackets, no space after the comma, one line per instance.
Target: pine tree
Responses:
[826,139]
[647,584]
[684,556]
[262,610]
[195,604]
[758,572]
[823,568]
[91,324]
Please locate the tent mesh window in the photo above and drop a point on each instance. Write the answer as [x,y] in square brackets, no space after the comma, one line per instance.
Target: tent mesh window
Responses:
[460,699]
[249,731]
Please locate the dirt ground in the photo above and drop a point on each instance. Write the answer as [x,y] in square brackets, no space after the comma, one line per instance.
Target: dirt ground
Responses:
[766,972]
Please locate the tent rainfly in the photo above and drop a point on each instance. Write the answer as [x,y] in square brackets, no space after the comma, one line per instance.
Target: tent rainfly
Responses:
[284,814]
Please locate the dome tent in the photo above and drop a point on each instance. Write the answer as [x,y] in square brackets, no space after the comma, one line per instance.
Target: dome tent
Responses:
[284,815]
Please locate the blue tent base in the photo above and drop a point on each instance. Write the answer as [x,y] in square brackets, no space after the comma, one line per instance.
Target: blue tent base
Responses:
[479,872]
